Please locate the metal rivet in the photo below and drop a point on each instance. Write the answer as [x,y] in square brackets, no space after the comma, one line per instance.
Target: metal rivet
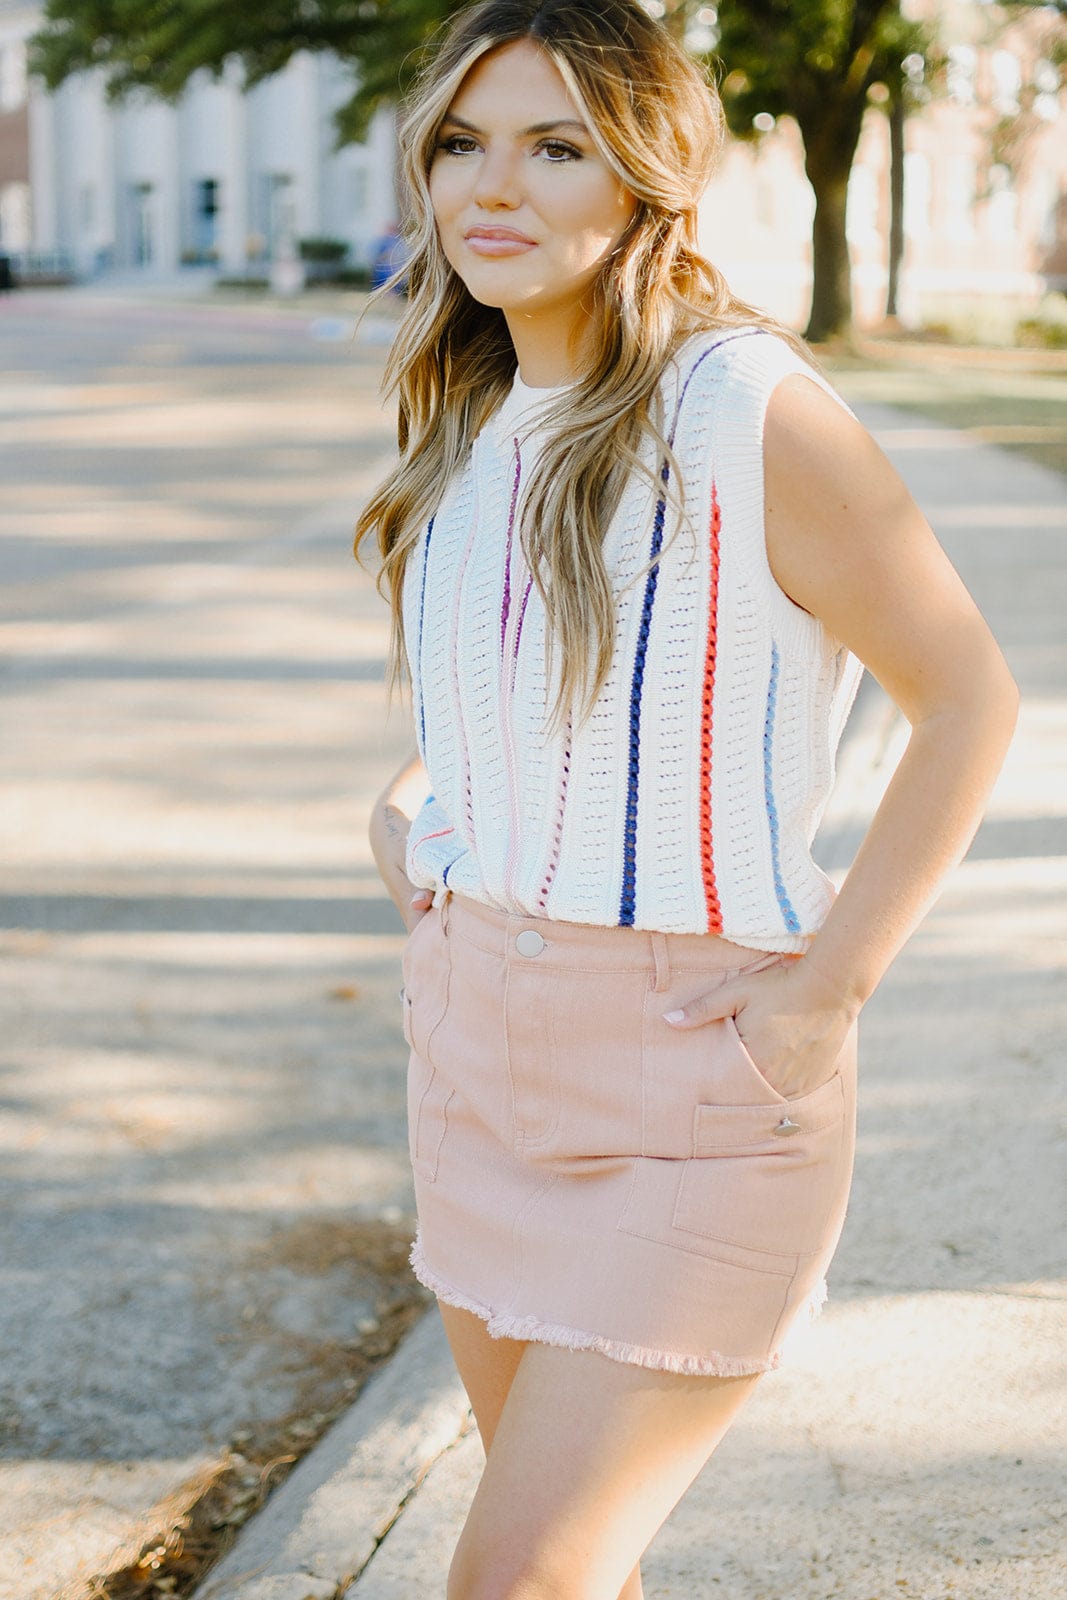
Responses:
[787,1125]
[401,993]
[529,942]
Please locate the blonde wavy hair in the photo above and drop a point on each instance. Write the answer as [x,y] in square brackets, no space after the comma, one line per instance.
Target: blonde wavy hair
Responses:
[657,121]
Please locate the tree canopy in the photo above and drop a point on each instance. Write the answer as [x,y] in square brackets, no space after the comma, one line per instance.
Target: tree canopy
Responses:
[159,46]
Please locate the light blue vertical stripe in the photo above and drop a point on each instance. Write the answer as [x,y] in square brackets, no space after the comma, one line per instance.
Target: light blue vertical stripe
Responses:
[792,921]
[418,654]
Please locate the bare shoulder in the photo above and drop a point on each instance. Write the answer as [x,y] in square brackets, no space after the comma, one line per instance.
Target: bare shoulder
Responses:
[847,542]
[820,459]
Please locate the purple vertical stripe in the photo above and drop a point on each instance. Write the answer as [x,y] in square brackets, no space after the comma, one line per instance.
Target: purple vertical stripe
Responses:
[507,555]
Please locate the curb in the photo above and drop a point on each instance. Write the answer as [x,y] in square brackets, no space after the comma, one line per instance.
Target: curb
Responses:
[321,1528]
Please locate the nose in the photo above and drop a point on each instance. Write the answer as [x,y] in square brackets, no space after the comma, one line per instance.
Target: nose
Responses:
[497,186]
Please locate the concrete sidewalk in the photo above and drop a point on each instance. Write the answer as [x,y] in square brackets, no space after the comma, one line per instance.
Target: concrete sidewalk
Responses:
[914,1444]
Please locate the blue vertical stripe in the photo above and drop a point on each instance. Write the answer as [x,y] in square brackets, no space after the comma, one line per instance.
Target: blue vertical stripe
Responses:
[627,902]
[792,921]
[628,898]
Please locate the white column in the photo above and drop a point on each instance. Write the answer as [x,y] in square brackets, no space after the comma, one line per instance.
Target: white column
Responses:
[169,194]
[235,221]
[307,157]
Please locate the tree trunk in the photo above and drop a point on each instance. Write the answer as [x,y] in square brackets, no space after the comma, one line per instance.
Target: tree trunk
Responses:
[829,148]
[896,201]
[831,293]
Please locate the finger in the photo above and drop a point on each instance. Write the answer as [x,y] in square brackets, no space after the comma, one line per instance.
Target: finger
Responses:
[704,1008]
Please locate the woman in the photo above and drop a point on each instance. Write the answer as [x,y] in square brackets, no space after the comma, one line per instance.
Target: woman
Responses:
[637,551]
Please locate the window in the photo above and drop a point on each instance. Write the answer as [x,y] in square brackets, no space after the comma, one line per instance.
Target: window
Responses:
[205,216]
[142,224]
[281,210]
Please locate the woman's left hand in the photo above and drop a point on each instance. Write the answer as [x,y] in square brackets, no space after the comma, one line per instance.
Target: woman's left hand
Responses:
[792,1022]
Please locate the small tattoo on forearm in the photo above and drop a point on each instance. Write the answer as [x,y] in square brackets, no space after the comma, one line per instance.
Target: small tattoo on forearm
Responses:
[394,822]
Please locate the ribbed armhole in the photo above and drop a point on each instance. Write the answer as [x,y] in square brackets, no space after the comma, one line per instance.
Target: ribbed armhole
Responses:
[753,369]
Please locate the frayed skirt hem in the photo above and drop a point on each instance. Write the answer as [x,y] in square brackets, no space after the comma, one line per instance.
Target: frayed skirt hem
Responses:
[503,1325]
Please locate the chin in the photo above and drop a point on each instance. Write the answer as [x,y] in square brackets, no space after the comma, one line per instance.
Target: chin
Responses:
[499,297]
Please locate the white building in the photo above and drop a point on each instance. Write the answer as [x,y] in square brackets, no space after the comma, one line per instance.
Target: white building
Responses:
[222,176]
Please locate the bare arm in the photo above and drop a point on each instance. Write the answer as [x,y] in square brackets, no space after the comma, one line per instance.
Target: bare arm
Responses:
[390,821]
[847,542]
[865,560]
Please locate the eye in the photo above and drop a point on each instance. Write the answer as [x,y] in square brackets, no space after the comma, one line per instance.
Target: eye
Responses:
[451,145]
[559,152]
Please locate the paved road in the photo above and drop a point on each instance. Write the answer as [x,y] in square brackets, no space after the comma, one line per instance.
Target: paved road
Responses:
[199,1110]
[203,1114]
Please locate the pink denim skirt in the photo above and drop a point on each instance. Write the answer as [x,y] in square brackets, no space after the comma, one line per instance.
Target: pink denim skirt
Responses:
[588,1176]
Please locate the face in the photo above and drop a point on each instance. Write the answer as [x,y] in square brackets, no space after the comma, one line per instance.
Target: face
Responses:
[527,210]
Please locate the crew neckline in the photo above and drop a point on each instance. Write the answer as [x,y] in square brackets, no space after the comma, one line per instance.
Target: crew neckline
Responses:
[534,392]
[523,407]
[541,389]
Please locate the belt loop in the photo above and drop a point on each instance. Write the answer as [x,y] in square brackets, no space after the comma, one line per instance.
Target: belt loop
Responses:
[446,902]
[661,955]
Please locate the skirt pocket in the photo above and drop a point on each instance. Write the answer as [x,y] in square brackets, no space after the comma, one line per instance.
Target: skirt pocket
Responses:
[759,1182]
[766,1177]
[428,1101]
[426,967]
[424,964]
[574,1061]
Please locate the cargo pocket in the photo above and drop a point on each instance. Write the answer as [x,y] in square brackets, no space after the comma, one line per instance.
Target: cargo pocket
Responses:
[757,1187]
[765,1178]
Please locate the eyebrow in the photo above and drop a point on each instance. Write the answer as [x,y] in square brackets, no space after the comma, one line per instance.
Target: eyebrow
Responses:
[538,127]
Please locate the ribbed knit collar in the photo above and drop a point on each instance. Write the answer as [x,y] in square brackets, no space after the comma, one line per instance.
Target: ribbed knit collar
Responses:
[520,413]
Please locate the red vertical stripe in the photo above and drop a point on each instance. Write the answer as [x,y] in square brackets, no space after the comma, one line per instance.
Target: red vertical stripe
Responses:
[707,854]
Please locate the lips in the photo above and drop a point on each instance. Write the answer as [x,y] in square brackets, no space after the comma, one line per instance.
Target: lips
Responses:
[504,235]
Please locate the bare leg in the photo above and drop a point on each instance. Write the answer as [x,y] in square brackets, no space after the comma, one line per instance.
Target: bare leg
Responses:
[589,1456]
[487,1367]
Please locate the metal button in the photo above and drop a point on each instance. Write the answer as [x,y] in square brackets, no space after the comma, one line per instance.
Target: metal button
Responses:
[529,942]
[787,1125]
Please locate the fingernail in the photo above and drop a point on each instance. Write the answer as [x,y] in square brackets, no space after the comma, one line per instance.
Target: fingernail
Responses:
[674,1016]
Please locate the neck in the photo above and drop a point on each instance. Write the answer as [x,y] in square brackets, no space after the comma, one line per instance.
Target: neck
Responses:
[547,346]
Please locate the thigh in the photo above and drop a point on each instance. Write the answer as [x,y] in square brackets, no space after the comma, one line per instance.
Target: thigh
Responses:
[589,1458]
[486,1365]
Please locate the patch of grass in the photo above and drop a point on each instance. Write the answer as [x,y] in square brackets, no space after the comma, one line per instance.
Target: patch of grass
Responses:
[199,1526]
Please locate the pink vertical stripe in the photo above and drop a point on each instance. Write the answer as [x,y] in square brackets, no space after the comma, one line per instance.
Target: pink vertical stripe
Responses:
[453,655]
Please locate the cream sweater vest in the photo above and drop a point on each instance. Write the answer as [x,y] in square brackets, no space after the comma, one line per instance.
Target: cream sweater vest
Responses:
[689,800]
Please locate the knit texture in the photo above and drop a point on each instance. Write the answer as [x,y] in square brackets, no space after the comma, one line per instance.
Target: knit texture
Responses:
[689,800]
